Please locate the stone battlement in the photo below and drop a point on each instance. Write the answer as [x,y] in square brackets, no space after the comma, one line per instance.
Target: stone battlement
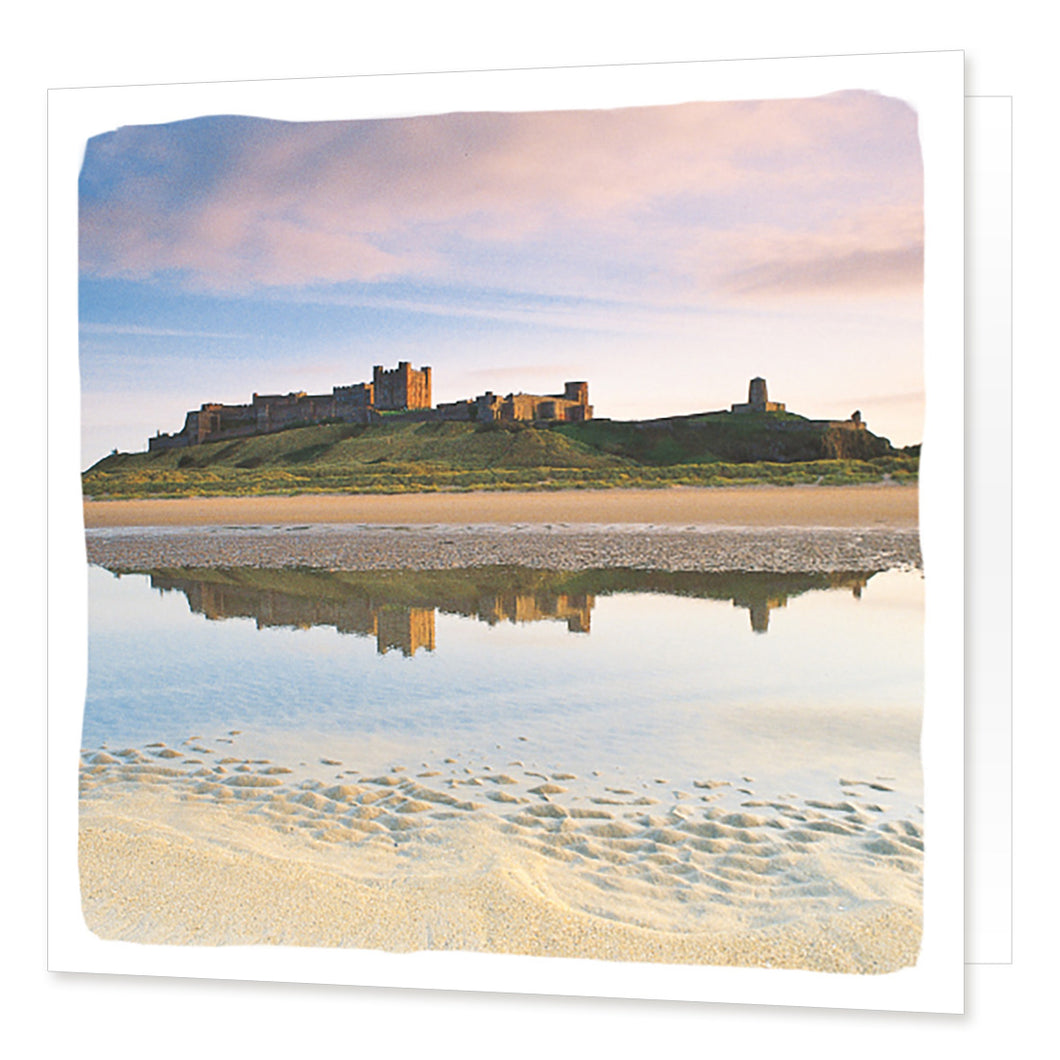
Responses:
[758,401]
[402,390]
[405,392]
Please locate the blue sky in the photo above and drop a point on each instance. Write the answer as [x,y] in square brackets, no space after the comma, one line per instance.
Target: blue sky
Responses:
[665,254]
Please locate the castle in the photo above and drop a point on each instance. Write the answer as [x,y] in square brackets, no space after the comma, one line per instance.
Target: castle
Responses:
[396,625]
[404,622]
[758,401]
[403,392]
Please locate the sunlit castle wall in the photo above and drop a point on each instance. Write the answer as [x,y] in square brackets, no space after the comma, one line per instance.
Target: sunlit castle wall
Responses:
[401,388]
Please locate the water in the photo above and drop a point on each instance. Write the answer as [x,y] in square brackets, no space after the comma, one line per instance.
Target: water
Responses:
[776,684]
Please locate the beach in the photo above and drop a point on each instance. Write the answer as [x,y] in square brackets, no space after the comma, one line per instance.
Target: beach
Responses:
[565,547]
[181,854]
[767,506]
[777,837]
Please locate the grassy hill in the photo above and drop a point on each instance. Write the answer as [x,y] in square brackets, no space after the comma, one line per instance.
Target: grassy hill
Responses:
[721,436]
[405,456]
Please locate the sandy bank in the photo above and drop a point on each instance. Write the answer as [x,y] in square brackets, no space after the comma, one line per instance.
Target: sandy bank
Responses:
[831,506]
[209,877]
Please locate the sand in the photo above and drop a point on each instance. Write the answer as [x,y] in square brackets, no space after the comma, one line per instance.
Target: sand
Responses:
[200,845]
[832,506]
[488,860]
[566,547]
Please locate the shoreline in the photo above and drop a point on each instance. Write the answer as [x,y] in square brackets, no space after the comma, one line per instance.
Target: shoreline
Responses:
[847,507]
[211,846]
[567,547]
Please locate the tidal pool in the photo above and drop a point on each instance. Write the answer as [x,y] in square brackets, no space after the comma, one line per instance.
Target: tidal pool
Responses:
[626,764]
[797,681]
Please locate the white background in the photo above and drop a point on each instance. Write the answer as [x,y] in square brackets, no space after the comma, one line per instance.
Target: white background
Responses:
[111,43]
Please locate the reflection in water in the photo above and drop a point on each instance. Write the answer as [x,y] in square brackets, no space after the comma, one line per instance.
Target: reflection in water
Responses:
[667,678]
[664,770]
[398,608]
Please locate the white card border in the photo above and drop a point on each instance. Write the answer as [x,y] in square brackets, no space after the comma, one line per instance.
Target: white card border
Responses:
[932,83]
[988,529]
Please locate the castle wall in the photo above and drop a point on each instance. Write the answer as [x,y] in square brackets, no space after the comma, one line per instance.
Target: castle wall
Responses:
[162,442]
[454,410]
[402,390]
[215,418]
[357,395]
[405,393]
[800,424]
[762,406]
[273,412]
[529,407]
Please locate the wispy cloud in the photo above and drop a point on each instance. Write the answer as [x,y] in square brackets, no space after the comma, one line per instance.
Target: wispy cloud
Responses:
[857,272]
[136,329]
[673,202]
[506,307]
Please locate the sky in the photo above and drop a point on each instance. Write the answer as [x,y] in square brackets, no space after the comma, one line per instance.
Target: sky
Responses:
[664,254]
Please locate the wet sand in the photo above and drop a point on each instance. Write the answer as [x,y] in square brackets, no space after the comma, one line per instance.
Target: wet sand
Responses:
[568,547]
[825,506]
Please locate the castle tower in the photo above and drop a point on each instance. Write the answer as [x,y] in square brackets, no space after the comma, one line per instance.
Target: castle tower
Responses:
[758,399]
[402,387]
[578,392]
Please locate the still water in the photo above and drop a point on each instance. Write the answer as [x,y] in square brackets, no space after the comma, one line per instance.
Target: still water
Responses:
[790,683]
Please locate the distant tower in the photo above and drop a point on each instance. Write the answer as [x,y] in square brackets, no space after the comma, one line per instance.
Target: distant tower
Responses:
[758,399]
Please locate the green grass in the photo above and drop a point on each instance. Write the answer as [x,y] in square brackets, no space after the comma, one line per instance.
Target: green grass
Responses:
[403,457]
[722,436]
[227,481]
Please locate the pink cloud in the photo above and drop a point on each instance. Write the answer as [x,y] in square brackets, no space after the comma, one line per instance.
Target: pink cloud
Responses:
[861,272]
[691,195]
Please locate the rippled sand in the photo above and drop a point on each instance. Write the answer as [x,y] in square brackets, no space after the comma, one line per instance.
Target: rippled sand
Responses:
[199,845]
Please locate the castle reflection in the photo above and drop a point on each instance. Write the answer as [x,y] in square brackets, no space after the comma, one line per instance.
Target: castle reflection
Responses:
[398,608]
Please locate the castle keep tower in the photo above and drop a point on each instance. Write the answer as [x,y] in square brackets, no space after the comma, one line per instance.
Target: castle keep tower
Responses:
[401,388]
